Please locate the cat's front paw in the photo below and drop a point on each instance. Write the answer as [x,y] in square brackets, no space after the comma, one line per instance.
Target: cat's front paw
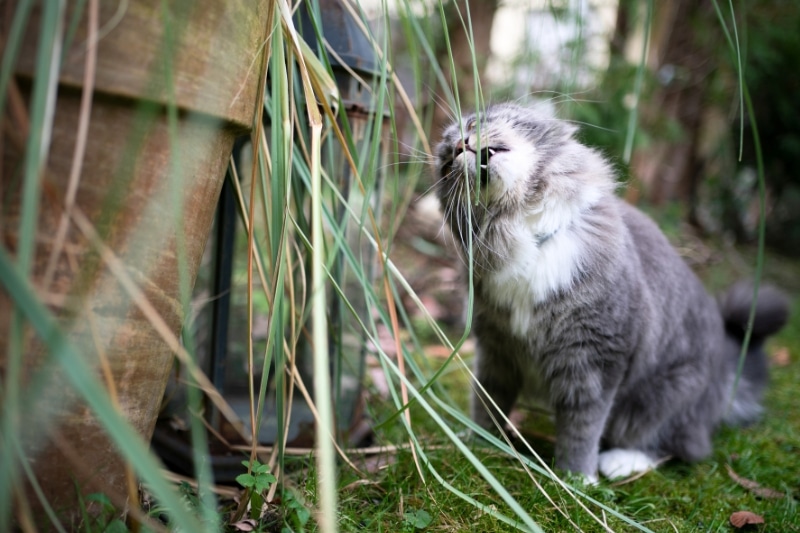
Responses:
[620,462]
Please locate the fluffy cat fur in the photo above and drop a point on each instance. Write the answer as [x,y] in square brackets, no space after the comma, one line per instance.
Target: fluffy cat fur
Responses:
[581,302]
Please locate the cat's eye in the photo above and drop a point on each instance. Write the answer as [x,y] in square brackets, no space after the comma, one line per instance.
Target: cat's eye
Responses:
[496,148]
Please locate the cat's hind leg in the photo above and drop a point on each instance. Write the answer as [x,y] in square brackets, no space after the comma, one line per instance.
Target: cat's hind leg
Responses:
[672,410]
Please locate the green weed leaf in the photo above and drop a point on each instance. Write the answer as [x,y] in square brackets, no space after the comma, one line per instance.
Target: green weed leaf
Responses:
[419,519]
[116,526]
[303,515]
[100,498]
[261,469]
[246,480]
[256,503]
[263,482]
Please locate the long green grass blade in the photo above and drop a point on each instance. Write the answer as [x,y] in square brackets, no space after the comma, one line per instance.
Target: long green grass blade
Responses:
[633,116]
[82,377]
[12,45]
[733,45]
[42,109]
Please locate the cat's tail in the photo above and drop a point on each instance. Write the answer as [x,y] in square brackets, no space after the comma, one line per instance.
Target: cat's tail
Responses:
[771,314]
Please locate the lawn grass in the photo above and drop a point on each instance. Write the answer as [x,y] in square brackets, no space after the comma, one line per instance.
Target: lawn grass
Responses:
[676,497]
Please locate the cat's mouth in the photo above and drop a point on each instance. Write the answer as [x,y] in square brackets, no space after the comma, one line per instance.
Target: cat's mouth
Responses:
[482,157]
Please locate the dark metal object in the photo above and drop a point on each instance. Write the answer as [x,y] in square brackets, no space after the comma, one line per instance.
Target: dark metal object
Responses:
[352,53]
[224,241]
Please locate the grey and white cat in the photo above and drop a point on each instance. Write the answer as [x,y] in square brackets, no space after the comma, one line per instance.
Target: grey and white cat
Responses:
[580,301]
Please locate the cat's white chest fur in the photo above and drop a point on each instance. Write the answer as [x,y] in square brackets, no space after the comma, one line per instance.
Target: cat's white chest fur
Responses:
[541,261]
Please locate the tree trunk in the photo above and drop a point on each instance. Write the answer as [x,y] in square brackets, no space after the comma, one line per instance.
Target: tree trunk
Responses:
[682,57]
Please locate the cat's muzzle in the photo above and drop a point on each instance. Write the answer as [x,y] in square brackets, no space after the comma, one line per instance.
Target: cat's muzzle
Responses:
[481,158]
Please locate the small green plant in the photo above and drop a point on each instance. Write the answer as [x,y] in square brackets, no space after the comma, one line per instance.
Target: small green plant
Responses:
[416,519]
[107,518]
[256,484]
[189,496]
[296,513]
[192,501]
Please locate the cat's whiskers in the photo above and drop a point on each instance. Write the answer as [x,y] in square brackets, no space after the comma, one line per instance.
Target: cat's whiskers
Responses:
[479,219]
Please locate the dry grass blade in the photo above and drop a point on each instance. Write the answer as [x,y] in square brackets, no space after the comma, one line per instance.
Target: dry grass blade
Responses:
[361,483]
[18,127]
[402,367]
[256,135]
[80,142]
[220,490]
[324,84]
[314,116]
[246,221]
[326,479]
[753,486]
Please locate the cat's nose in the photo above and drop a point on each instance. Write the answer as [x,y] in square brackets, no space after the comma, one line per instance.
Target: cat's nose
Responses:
[460,147]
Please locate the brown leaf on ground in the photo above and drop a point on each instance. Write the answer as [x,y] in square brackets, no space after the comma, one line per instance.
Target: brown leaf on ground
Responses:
[361,483]
[780,356]
[248,524]
[740,519]
[754,487]
[373,464]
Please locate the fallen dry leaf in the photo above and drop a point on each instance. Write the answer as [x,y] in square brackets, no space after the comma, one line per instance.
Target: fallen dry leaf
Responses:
[372,464]
[739,519]
[248,524]
[753,486]
[361,483]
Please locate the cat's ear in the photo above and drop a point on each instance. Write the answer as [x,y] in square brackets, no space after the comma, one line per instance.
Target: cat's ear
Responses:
[455,130]
[546,109]
[450,135]
[569,128]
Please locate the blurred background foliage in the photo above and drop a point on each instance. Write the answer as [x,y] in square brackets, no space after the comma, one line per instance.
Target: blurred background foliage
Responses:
[686,147]
[773,74]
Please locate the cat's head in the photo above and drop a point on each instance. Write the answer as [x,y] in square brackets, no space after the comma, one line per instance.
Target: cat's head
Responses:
[515,157]
[507,155]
